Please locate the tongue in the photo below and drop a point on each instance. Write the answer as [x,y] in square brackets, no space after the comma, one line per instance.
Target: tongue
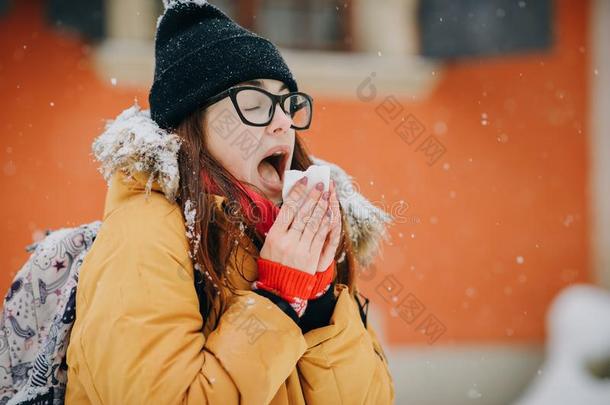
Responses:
[268,172]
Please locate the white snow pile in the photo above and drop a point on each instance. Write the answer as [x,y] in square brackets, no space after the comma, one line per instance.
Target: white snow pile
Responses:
[578,345]
[173,3]
[133,142]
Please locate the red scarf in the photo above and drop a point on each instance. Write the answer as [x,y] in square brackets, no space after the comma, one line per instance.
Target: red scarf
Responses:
[264,212]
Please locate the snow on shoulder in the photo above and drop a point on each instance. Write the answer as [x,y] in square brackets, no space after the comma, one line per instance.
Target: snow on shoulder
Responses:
[133,142]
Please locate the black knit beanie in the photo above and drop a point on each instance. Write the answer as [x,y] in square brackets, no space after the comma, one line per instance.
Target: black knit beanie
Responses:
[199,52]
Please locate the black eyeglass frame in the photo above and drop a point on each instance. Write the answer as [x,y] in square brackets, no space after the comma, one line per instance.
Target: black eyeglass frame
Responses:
[232,93]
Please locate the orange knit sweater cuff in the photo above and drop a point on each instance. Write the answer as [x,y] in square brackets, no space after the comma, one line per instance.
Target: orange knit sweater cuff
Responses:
[293,285]
[287,280]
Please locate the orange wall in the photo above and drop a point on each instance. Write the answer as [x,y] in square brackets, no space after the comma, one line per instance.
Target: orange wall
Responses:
[514,187]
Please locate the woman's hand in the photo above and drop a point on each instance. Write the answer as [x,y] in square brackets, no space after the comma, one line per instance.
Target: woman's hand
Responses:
[334,236]
[297,236]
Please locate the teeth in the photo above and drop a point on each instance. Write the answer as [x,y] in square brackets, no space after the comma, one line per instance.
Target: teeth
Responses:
[277,153]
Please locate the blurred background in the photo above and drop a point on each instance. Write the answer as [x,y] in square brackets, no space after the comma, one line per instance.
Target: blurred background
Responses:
[482,126]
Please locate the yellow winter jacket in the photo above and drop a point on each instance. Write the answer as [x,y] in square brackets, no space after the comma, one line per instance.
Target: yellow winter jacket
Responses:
[137,337]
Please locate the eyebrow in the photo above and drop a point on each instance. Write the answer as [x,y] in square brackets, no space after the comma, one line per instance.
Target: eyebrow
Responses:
[259,83]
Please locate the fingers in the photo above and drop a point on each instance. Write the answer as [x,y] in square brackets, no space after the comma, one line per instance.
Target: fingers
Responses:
[334,235]
[302,230]
[319,239]
[304,212]
[290,206]
[315,220]
[334,206]
[330,242]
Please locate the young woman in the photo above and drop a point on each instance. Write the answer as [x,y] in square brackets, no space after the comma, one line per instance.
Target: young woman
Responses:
[204,285]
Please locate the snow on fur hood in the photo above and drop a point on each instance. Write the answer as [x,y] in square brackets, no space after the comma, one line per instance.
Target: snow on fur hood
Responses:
[134,142]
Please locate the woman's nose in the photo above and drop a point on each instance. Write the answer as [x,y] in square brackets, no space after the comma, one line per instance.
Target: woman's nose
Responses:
[280,122]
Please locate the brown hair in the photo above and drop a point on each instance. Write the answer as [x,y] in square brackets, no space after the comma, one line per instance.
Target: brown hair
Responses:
[212,225]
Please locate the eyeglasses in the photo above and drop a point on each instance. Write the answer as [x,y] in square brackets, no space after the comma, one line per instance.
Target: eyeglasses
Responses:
[256,106]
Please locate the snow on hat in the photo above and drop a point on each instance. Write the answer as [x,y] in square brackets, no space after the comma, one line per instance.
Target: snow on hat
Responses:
[199,52]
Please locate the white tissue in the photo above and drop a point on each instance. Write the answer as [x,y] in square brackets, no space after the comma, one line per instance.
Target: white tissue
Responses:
[314,173]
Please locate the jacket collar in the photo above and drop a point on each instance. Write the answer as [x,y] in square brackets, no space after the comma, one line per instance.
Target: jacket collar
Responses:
[136,156]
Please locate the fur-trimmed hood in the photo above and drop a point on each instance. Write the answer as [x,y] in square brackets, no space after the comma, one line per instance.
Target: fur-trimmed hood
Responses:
[133,142]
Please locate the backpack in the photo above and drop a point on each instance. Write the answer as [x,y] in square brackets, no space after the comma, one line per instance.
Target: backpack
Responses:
[37,318]
[38,313]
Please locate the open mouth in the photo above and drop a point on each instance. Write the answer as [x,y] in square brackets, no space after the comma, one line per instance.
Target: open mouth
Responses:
[271,168]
